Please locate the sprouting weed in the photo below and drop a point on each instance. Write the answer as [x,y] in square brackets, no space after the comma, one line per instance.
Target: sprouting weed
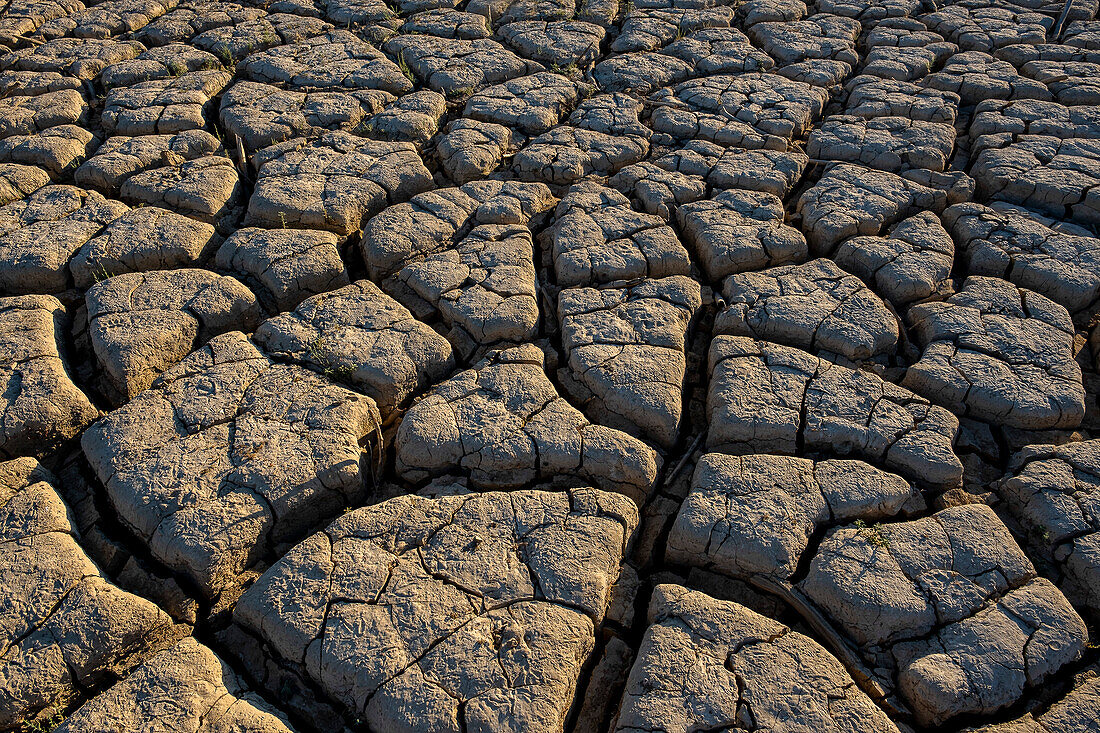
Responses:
[327,365]
[315,349]
[282,218]
[873,533]
[681,31]
[404,66]
[100,272]
[339,372]
[44,723]
[286,690]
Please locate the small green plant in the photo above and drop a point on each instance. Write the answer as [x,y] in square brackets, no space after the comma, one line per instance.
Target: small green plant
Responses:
[339,372]
[100,272]
[282,218]
[404,66]
[45,722]
[225,55]
[872,532]
[327,364]
[287,690]
[316,349]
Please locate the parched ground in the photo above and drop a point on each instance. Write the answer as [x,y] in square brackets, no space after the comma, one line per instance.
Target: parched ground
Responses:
[587,366]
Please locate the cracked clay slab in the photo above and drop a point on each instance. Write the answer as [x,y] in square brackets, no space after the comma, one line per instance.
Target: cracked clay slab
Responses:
[229,454]
[503,424]
[717,664]
[467,612]
[778,399]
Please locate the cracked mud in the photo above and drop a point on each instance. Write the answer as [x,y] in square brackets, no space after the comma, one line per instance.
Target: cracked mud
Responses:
[474,366]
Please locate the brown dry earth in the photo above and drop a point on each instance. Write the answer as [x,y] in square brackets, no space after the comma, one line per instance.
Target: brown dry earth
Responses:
[464,366]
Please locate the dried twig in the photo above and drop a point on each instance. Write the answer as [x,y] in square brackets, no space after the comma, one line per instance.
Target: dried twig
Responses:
[1059,26]
[683,461]
[837,643]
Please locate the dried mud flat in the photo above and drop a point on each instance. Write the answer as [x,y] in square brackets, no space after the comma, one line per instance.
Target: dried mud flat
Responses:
[463,366]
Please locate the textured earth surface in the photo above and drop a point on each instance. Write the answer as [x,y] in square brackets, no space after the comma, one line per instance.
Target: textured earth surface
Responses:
[580,366]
